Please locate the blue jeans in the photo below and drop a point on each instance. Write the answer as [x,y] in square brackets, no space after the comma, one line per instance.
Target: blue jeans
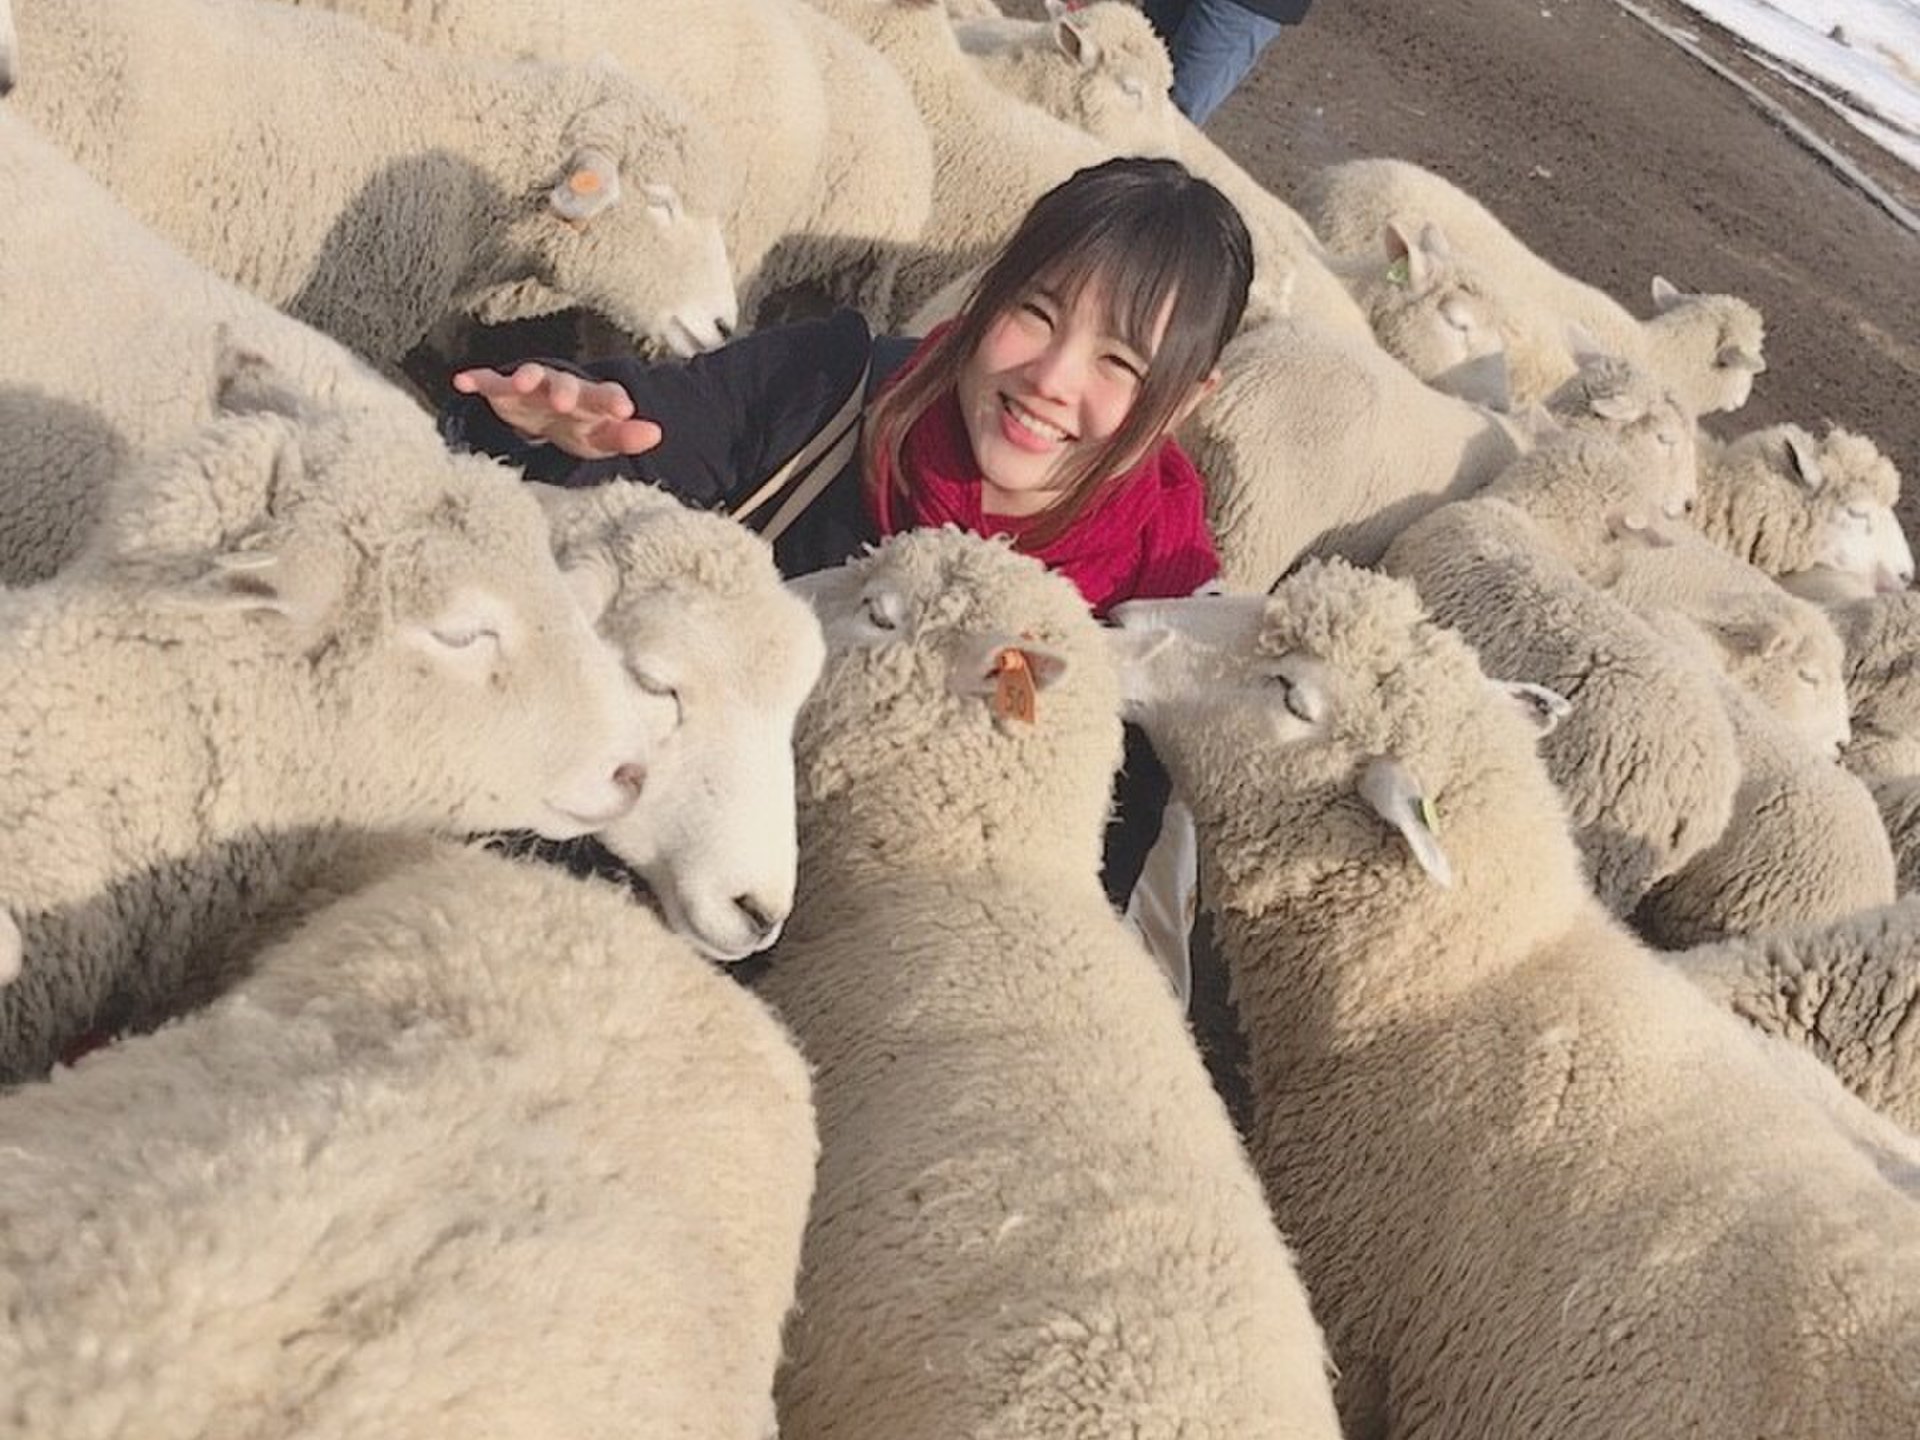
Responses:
[1213,44]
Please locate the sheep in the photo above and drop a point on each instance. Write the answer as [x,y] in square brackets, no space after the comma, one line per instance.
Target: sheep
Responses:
[1341,473]
[1102,69]
[1816,514]
[1782,650]
[327,622]
[874,191]
[812,192]
[1898,797]
[975,206]
[1847,990]
[480,1149]
[1804,843]
[1707,348]
[1098,66]
[111,347]
[1881,636]
[1538,1183]
[1032,1214]
[699,614]
[1648,761]
[425,183]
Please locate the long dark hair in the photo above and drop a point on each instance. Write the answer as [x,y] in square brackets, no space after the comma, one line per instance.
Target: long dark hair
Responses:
[1147,232]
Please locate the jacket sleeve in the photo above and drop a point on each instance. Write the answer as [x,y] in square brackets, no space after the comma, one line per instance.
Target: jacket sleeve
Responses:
[728,418]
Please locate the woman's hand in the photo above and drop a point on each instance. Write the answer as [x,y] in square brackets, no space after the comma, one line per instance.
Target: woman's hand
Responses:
[589,419]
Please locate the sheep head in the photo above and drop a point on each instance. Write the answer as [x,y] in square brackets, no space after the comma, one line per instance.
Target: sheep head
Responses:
[1787,653]
[1343,751]
[1431,316]
[967,716]
[697,612]
[404,607]
[1708,348]
[624,219]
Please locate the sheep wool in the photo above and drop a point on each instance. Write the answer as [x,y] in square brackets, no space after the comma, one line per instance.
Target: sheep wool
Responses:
[1342,476]
[1494,1126]
[1032,1214]
[1847,990]
[327,623]
[369,187]
[481,1149]
[1882,636]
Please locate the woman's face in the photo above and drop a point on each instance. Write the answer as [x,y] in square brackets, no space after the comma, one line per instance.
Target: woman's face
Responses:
[1046,384]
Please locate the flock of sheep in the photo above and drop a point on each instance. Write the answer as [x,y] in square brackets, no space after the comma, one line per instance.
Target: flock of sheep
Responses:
[1581,1002]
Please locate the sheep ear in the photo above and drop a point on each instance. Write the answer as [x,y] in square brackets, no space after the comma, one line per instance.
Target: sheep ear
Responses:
[1406,264]
[592,184]
[592,578]
[1666,294]
[1544,709]
[247,383]
[1008,673]
[1637,525]
[1396,797]
[1804,457]
[1583,344]
[261,582]
[1761,636]
[1073,42]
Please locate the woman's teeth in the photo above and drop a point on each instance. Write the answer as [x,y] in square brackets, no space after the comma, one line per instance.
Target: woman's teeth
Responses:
[1032,423]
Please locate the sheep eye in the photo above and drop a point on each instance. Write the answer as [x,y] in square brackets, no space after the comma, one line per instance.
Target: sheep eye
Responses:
[879,614]
[1809,677]
[1300,703]
[1132,88]
[465,639]
[1858,516]
[659,688]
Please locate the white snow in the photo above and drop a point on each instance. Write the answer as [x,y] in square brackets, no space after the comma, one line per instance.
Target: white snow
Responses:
[1861,56]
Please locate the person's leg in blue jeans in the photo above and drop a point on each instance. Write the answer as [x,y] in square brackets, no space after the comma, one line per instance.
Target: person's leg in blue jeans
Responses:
[1213,44]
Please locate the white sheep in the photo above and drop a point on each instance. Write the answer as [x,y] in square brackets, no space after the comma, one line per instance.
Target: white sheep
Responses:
[1781,649]
[111,346]
[395,184]
[1647,761]
[1102,69]
[327,622]
[479,1150]
[873,194]
[1804,843]
[1320,443]
[1847,990]
[1882,639]
[1706,348]
[975,205]
[1538,1183]
[804,204]
[1032,1214]
[1816,514]
[698,613]
[1098,66]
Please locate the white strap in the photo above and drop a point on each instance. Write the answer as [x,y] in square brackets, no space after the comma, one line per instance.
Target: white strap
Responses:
[829,448]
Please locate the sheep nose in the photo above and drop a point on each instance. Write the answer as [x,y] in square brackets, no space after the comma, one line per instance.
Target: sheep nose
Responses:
[631,777]
[760,917]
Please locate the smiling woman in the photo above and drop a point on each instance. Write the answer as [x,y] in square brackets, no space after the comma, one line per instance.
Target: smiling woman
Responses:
[1042,412]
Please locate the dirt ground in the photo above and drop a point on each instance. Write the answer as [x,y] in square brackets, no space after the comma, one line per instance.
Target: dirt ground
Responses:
[1617,156]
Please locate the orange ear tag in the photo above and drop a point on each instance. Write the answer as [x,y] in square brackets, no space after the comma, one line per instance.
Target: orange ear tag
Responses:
[1013,689]
[583,183]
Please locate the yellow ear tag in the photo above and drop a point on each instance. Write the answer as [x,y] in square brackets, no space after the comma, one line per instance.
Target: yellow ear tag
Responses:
[1398,272]
[584,182]
[1014,693]
[1429,816]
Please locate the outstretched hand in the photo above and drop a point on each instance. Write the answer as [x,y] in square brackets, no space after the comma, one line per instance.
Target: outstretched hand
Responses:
[589,419]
